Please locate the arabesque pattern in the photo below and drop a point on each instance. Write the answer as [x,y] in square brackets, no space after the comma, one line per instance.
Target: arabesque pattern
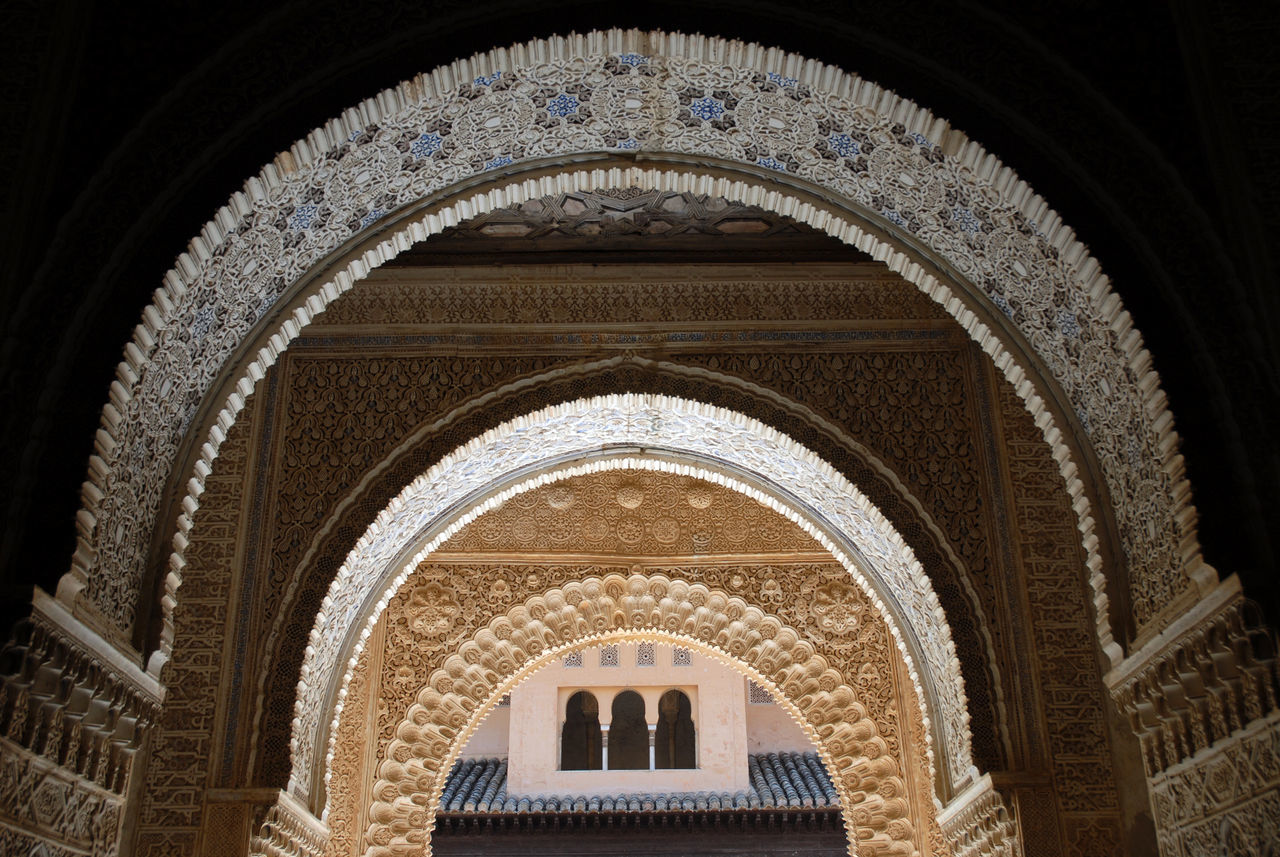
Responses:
[754,110]
[459,692]
[814,598]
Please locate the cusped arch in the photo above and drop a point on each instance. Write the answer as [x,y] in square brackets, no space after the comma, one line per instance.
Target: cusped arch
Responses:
[639,431]
[450,706]
[882,174]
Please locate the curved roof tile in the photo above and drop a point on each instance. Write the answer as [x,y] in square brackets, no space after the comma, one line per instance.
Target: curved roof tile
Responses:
[778,781]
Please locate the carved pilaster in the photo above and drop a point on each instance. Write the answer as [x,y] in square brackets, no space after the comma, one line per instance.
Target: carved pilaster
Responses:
[978,823]
[1202,700]
[1214,673]
[74,714]
[289,830]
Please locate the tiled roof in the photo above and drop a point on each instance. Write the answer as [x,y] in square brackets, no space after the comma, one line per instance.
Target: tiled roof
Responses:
[778,781]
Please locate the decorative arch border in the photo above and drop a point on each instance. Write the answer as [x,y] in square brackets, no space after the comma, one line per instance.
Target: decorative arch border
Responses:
[637,431]
[903,185]
[457,696]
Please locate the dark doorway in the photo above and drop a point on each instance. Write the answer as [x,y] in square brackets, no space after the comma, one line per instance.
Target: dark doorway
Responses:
[628,734]
[580,747]
[674,741]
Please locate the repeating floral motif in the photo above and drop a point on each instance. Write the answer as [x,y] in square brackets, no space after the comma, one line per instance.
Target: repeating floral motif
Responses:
[55,813]
[72,725]
[649,422]
[478,299]
[271,236]
[179,768]
[1072,696]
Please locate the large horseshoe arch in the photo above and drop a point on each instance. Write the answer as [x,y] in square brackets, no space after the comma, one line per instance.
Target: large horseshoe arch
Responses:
[883,174]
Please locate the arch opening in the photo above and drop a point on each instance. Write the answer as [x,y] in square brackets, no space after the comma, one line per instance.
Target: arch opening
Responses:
[628,733]
[580,745]
[873,782]
[675,739]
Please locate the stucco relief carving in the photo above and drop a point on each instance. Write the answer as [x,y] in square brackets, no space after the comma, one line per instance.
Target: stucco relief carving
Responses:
[979,824]
[632,513]
[655,423]
[289,830]
[871,149]
[726,297]
[1217,678]
[71,725]
[458,692]
[1225,800]
[863,653]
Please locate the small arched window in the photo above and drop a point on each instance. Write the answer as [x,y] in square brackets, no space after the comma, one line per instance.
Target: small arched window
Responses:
[628,734]
[580,747]
[674,740]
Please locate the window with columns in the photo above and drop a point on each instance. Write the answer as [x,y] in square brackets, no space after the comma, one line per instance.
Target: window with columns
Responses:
[646,729]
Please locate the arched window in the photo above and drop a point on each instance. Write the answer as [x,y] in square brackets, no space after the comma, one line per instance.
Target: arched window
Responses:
[628,734]
[674,741]
[580,737]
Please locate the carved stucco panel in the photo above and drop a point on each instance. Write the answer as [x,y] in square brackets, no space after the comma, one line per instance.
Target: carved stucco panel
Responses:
[448,707]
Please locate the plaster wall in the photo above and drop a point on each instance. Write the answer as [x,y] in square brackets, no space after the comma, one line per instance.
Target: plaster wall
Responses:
[771,730]
[492,738]
[717,696]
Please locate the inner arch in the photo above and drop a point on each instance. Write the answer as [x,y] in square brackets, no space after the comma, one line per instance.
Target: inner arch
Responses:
[641,432]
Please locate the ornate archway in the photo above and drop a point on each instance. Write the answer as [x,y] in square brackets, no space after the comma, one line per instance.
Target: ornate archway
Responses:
[883,815]
[771,129]
[970,236]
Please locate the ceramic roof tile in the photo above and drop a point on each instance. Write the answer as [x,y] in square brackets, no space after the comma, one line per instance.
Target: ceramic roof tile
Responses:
[778,781]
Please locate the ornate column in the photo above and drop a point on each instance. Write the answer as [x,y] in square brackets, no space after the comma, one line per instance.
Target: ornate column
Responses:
[75,717]
[1202,699]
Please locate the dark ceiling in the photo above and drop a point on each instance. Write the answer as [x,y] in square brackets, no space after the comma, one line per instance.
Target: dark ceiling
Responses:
[1151,127]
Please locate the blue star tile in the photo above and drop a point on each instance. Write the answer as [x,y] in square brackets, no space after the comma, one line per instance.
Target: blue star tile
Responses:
[843,145]
[772,163]
[966,220]
[707,108]
[302,217]
[563,104]
[426,145]
[1068,324]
